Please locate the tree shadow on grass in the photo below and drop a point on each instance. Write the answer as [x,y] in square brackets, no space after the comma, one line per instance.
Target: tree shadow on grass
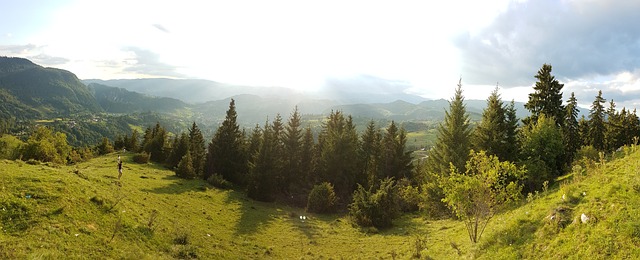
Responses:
[253,214]
[178,185]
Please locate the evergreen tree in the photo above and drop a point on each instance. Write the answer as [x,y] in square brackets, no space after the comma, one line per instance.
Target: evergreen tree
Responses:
[185,167]
[597,126]
[307,160]
[453,142]
[338,154]
[278,154]
[226,155]
[132,144]
[292,142]
[631,125]
[546,98]
[583,131]
[571,130]
[180,148]
[613,134]
[396,162]
[197,150]
[370,153]
[155,143]
[491,134]
[512,144]
[264,169]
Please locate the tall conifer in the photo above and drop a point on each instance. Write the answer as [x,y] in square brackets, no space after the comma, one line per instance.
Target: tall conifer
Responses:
[454,134]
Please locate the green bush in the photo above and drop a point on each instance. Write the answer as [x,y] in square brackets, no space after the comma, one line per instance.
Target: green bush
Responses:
[141,158]
[218,181]
[375,208]
[10,147]
[409,196]
[322,198]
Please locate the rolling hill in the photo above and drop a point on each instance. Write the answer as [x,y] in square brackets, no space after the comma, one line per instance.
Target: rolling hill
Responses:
[83,211]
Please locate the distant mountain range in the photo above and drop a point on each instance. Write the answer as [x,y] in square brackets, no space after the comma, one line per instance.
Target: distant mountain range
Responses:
[28,90]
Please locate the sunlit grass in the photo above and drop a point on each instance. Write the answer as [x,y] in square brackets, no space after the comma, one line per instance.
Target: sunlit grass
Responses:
[84,211]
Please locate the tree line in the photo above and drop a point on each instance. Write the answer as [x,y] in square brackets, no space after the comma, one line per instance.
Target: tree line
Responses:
[371,174]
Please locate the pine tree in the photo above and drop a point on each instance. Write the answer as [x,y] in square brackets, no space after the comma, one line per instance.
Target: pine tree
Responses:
[396,162]
[546,98]
[338,154]
[613,134]
[263,169]
[631,127]
[226,155]
[155,143]
[185,167]
[597,124]
[370,153]
[583,131]
[133,144]
[180,148]
[512,144]
[491,134]
[292,141]
[571,131]
[307,156]
[197,149]
[453,142]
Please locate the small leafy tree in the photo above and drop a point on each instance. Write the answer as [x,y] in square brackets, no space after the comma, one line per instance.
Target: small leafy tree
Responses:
[486,187]
[322,198]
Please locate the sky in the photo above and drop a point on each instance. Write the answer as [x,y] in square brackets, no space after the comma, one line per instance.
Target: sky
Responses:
[425,45]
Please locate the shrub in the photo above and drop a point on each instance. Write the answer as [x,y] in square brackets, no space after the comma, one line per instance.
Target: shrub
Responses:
[218,181]
[10,147]
[409,196]
[141,158]
[377,209]
[185,167]
[322,198]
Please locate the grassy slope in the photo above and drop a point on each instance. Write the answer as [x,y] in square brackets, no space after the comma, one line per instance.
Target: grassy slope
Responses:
[67,215]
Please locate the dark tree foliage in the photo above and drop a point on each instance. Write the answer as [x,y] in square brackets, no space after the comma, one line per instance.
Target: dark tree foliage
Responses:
[261,184]
[292,174]
[155,143]
[104,147]
[492,134]
[454,137]
[307,161]
[597,126]
[337,154]
[197,150]
[180,147]
[613,134]
[571,130]
[583,131]
[226,155]
[512,145]
[395,161]
[631,125]
[370,153]
[133,142]
[546,98]
[185,167]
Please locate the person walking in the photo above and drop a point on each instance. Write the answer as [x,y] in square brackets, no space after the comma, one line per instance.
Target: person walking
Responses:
[119,167]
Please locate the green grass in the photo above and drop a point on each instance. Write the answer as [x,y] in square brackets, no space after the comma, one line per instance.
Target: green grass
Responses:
[83,211]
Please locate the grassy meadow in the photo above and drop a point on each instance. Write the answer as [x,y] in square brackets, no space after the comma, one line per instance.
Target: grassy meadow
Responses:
[84,211]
